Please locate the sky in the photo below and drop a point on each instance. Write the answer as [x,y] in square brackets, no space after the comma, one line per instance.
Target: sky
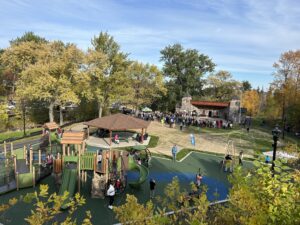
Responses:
[244,37]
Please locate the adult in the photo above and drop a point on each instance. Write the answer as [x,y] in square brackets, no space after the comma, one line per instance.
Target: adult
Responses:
[111,194]
[174,152]
[241,156]
[152,188]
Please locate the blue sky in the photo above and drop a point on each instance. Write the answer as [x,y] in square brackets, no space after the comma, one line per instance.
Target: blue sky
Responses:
[244,37]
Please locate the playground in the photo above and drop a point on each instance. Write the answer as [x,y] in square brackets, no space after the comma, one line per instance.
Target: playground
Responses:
[72,165]
[162,170]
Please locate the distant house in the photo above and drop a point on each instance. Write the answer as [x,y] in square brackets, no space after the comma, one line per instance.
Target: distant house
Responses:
[210,109]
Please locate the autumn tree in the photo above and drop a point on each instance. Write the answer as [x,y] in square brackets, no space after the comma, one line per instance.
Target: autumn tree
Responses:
[112,80]
[175,200]
[258,197]
[251,101]
[186,67]
[17,58]
[145,83]
[47,207]
[287,86]
[55,78]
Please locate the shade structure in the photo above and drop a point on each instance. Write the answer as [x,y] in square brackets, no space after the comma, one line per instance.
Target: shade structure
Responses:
[118,121]
[50,125]
[72,137]
[146,109]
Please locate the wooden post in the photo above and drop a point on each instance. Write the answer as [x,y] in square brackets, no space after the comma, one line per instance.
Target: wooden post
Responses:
[11,148]
[64,149]
[30,159]
[83,147]
[50,138]
[33,176]
[95,162]
[40,157]
[4,146]
[79,174]
[17,180]
[24,152]
[79,150]
[88,132]
[15,164]
[110,137]
[68,149]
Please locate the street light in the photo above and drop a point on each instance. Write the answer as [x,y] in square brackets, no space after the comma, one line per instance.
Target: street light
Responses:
[275,132]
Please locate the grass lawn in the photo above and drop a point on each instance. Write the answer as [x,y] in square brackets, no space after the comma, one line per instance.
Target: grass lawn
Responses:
[153,141]
[17,134]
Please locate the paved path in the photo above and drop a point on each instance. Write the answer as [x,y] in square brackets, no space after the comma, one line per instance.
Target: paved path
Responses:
[20,144]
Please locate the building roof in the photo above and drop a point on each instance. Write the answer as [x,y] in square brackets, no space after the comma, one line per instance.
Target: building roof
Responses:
[72,137]
[118,121]
[51,125]
[210,105]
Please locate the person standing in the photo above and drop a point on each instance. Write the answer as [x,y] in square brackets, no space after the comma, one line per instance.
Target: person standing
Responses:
[99,159]
[152,188]
[111,194]
[198,180]
[174,152]
[241,156]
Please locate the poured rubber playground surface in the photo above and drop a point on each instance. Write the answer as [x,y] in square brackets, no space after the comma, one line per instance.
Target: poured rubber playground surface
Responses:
[162,170]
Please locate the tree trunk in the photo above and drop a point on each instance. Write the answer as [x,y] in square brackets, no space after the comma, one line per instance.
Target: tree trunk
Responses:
[100,109]
[61,116]
[51,115]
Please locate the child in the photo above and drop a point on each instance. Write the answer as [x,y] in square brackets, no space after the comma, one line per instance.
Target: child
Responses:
[198,180]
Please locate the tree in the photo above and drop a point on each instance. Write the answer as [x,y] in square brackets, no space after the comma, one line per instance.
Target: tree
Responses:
[175,200]
[113,82]
[251,101]
[17,58]
[55,78]
[276,197]
[28,37]
[48,206]
[146,84]
[246,85]
[186,68]
[222,87]
[3,116]
[287,81]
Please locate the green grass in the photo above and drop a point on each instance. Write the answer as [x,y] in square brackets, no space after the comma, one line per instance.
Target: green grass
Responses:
[182,153]
[17,134]
[153,141]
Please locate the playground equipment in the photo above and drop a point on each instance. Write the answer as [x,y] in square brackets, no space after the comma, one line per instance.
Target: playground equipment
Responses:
[144,172]
[134,165]
[229,158]
[21,168]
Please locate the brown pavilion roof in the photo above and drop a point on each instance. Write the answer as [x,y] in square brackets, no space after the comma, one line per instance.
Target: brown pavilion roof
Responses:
[118,121]
[209,104]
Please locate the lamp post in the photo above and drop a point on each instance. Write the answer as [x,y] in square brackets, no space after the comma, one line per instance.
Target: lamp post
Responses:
[275,132]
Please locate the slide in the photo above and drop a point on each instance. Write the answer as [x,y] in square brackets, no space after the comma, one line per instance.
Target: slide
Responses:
[144,172]
[69,178]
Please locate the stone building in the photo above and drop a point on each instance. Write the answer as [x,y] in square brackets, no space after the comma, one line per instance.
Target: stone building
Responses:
[209,109]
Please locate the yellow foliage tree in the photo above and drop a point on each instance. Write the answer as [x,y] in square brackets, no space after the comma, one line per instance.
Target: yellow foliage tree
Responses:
[251,102]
